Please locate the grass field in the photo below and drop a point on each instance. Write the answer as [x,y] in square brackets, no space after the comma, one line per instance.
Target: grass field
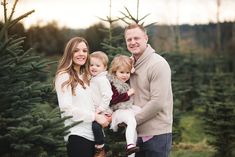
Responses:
[193,130]
[194,140]
[189,153]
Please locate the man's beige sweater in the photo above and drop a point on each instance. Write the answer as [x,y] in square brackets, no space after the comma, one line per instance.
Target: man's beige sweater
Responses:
[153,93]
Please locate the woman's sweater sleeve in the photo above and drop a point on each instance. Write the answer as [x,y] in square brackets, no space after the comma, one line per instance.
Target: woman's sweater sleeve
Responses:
[66,103]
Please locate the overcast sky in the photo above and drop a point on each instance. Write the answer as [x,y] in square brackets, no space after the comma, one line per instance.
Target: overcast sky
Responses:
[83,13]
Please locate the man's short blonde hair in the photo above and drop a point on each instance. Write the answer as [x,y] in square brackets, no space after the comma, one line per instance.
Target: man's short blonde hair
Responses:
[135,25]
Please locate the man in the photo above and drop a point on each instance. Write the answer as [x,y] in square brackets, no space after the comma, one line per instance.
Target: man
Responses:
[152,83]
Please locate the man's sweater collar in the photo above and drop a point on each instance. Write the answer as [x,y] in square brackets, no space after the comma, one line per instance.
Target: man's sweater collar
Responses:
[148,51]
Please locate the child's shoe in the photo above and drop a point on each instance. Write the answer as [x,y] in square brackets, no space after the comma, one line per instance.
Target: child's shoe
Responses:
[122,125]
[100,152]
[131,148]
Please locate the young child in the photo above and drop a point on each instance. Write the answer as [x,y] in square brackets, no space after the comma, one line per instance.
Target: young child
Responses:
[101,95]
[122,105]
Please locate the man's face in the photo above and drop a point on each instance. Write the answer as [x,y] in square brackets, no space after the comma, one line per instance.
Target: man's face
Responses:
[136,41]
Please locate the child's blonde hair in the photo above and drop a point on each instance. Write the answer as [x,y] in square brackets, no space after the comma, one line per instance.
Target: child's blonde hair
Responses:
[120,61]
[102,56]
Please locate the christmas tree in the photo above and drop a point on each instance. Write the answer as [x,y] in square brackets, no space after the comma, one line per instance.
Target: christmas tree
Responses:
[29,124]
[219,115]
[114,45]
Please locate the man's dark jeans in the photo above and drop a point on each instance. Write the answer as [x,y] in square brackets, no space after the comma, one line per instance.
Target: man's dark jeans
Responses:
[157,146]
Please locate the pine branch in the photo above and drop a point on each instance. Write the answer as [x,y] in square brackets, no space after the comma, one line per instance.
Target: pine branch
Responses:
[5,10]
[13,10]
[13,22]
[144,17]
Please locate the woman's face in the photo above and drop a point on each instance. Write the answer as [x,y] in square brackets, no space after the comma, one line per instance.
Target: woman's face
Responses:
[80,54]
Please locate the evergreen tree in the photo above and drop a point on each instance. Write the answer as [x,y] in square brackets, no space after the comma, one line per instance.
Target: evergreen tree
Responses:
[186,85]
[29,126]
[187,75]
[114,45]
[219,98]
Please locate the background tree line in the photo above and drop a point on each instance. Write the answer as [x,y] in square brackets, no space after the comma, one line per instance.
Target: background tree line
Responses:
[49,39]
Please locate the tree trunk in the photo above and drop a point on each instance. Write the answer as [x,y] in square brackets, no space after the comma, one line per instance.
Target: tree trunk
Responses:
[218,31]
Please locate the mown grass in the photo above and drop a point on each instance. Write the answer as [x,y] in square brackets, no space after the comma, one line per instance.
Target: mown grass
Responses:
[194,139]
[190,153]
[193,130]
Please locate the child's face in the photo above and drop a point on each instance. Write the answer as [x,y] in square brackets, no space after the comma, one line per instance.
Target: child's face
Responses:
[123,74]
[96,66]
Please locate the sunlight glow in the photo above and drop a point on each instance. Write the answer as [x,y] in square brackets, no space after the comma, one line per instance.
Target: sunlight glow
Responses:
[83,13]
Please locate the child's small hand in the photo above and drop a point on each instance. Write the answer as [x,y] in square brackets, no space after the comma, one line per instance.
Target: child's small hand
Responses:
[133,62]
[131,92]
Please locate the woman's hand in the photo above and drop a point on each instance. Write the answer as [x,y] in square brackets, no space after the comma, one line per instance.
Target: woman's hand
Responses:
[102,120]
[108,117]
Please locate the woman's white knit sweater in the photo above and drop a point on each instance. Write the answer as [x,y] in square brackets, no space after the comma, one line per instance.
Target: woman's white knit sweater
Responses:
[80,107]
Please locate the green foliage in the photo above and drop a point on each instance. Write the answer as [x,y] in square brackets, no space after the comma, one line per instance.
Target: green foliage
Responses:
[192,128]
[128,17]
[189,153]
[94,36]
[26,131]
[203,86]
[116,142]
[219,98]
[29,125]
[186,79]
[193,139]
[115,44]
[48,39]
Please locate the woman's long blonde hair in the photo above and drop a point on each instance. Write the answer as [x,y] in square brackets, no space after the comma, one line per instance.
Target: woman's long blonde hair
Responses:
[66,65]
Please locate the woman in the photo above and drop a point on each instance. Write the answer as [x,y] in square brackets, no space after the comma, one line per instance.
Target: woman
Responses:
[74,97]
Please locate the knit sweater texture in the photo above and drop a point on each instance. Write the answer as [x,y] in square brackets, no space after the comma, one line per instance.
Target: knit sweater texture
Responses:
[153,94]
[80,107]
[101,92]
